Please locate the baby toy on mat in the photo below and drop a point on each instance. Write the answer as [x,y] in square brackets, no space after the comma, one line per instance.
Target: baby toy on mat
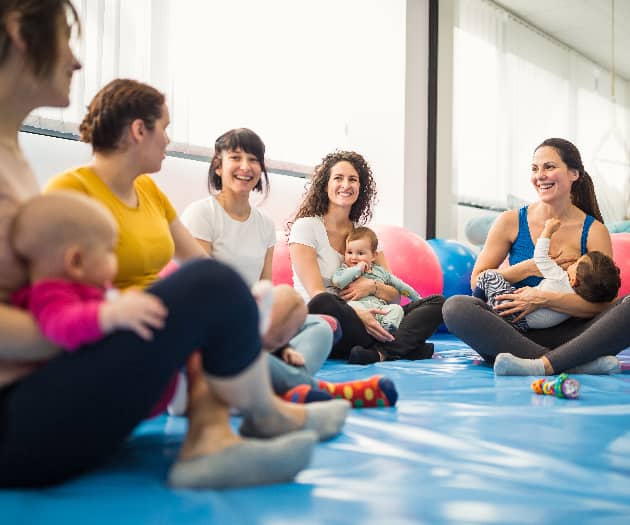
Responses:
[561,386]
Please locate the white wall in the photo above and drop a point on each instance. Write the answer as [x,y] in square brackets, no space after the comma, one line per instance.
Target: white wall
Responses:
[182,180]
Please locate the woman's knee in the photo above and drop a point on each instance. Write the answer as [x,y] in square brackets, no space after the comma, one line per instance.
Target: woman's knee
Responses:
[458,308]
[323,303]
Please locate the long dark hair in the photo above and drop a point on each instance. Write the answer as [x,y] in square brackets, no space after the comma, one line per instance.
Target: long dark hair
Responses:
[315,202]
[39,26]
[582,190]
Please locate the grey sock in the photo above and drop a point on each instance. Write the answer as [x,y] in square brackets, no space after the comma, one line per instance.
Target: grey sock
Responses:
[326,418]
[249,462]
[509,365]
[606,364]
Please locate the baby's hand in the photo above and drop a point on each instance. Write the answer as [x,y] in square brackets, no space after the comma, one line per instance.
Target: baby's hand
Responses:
[551,227]
[292,357]
[134,310]
[363,265]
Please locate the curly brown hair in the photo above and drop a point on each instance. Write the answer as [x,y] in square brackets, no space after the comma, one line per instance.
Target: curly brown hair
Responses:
[315,201]
[39,27]
[116,106]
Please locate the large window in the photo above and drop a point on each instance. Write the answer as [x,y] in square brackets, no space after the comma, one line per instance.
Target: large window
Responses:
[514,87]
[309,77]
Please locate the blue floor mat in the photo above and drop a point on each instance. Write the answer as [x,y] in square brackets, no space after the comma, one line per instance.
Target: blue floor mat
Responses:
[462,446]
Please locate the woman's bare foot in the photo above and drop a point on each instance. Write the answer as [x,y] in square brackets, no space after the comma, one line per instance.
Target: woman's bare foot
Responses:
[209,428]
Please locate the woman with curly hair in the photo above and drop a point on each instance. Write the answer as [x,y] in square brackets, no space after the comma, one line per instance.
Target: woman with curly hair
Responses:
[340,197]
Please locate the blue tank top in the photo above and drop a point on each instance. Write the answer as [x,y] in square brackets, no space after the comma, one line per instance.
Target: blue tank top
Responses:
[523,247]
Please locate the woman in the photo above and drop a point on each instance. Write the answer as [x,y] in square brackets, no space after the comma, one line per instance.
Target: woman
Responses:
[565,191]
[49,434]
[341,195]
[231,230]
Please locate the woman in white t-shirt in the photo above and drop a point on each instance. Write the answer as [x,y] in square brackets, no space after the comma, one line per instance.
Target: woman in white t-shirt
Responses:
[340,196]
[232,231]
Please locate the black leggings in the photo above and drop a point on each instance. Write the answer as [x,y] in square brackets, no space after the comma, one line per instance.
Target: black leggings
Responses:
[420,321]
[73,412]
[571,343]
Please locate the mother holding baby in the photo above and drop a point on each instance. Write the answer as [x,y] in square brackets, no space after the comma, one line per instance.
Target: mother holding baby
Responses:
[595,331]
[340,196]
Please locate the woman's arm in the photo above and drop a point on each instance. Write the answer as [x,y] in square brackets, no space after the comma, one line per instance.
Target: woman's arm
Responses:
[21,339]
[525,300]
[304,259]
[186,247]
[599,239]
[496,248]
[364,286]
[267,270]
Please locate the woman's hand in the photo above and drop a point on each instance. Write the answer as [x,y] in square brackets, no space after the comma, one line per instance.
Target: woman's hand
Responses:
[372,326]
[522,302]
[357,289]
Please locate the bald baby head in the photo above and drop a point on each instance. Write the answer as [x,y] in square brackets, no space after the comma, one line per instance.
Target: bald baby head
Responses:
[46,226]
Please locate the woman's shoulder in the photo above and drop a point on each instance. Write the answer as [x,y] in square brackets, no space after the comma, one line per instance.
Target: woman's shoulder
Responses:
[507,221]
[207,204]
[77,179]
[311,222]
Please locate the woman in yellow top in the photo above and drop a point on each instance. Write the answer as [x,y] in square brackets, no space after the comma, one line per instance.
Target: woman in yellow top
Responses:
[103,390]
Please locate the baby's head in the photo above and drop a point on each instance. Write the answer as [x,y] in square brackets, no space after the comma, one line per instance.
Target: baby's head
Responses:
[361,246]
[66,235]
[595,277]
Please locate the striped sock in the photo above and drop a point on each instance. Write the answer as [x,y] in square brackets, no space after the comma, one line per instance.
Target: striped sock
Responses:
[376,391]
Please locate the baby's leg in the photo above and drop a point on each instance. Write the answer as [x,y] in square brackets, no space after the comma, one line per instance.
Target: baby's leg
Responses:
[391,320]
[493,284]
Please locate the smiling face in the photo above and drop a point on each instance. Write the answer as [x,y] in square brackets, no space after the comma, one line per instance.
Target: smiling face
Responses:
[551,177]
[343,185]
[359,250]
[240,171]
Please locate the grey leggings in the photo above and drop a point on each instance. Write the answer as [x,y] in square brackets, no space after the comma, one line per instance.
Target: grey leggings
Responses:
[571,343]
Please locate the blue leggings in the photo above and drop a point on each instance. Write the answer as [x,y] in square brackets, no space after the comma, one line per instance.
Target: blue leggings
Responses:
[71,414]
[314,342]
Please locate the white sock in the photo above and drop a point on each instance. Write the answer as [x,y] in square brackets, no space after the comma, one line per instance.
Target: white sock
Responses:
[606,364]
[509,365]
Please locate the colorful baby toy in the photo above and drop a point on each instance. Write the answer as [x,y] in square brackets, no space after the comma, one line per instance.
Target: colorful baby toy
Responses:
[561,386]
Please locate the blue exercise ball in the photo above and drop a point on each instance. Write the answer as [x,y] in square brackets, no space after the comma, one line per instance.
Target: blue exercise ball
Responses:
[457,261]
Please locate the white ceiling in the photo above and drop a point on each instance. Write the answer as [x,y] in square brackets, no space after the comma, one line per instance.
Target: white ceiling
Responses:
[584,25]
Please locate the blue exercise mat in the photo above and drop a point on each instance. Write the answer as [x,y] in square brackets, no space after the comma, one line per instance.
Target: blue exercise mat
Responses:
[462,446]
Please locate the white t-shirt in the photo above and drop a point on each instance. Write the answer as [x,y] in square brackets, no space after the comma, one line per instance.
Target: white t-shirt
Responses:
[241,245]
[310,231]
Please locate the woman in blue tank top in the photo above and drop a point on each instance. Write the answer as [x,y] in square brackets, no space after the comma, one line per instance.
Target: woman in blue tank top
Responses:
[565,191]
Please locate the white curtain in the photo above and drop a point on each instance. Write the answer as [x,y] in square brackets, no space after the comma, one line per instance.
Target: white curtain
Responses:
[308,77]
[514,87]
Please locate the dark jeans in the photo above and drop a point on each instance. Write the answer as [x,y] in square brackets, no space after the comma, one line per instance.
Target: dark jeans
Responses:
[73,412]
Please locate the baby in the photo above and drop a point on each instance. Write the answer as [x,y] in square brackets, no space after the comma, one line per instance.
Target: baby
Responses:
[361,250]
[594,277]
[67,242]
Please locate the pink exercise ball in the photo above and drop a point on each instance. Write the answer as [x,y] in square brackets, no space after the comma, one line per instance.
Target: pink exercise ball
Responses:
[281,272]
[621,256]
[411,259]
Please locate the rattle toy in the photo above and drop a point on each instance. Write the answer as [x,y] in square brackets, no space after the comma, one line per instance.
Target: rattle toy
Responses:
[561,386]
